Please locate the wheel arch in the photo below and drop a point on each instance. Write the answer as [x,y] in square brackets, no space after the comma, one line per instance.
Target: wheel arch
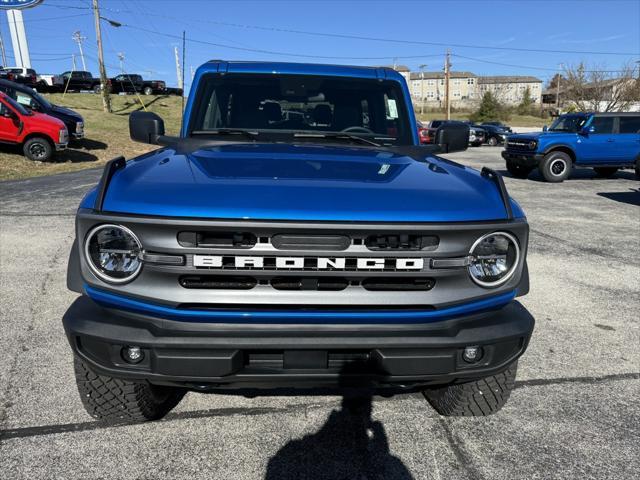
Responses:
[561,148]
[46,136]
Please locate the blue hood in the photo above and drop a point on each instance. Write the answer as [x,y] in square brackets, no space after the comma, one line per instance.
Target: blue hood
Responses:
[301,182]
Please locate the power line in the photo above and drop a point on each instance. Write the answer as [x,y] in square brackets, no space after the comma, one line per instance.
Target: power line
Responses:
[529,67]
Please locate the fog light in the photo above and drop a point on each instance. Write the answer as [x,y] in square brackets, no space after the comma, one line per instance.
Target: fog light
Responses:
[132,354]
[472,354]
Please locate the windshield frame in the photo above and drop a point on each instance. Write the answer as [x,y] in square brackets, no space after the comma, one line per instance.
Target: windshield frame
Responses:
[200,101]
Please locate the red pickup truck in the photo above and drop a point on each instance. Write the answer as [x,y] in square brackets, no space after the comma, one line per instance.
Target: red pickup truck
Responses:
[39,135]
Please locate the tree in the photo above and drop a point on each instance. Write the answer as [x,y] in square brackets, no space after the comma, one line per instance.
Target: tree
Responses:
[526,104]
[489,109]
[594,88]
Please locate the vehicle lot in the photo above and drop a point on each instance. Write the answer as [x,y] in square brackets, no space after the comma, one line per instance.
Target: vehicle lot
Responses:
[574,414]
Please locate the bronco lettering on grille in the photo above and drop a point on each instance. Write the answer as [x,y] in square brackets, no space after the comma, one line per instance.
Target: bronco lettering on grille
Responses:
[307,263]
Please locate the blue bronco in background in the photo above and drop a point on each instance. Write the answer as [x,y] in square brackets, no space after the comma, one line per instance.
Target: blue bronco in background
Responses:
[296,234]
[604,141]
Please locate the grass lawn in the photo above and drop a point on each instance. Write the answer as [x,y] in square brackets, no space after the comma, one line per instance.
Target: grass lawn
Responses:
[107,135]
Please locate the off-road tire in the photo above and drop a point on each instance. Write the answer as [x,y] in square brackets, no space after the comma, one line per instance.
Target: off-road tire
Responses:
[605,172]
[97,88]
[38,149]
[556,167]
[638,168]
[518,171]
[147,90]
[474,399]
[493,141]
[117,400]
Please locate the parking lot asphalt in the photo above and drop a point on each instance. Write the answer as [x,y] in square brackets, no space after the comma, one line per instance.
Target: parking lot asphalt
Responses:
[574,414]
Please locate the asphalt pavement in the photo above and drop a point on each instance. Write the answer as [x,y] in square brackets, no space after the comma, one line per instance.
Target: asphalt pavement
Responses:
[574,413]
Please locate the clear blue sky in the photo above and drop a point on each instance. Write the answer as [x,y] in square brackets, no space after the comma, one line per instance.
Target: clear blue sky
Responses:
[566,25]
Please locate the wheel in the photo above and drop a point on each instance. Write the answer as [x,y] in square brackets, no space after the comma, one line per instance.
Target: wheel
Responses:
[556,167]
[114,399]
[638,168]
[478,398]
[518,171]
[38,149]
[97,89]
[605,172]
[493,141]
[147,90]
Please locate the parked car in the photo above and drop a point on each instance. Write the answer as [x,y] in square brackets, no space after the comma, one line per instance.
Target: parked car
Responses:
[494,135]
[432,126]
[47,82]
[425,134]
[26,76]
[605,142]
[477,136]
[76,80]
[154,87]
[32,100]
[39,135]
[498,124]
[6,75]
[126,83]
[332,250]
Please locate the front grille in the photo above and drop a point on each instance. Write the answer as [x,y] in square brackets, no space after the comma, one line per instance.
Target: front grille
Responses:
[311,242]
[215,239]
[398,284]
[218,282]
[519,146]
[309,283]
[403,241]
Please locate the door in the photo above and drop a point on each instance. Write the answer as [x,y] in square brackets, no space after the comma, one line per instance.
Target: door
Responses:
[628,138]
[598,145]
[9,124]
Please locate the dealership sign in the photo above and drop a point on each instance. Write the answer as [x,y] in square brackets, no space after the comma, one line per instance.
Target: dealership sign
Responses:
[18,4]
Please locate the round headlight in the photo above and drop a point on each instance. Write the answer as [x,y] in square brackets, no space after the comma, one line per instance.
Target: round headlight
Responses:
[494,258]
[533,145]
[113,253]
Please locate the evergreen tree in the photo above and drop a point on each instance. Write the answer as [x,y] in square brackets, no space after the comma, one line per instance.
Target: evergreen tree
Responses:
[489,109]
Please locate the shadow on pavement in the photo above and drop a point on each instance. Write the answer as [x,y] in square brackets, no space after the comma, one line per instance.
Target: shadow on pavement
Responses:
[632,197]
[350,445]
[576,174]
[89,144]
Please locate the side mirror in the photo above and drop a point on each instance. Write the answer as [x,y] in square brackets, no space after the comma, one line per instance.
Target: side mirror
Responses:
[545,128]
[146,127]
[452,137]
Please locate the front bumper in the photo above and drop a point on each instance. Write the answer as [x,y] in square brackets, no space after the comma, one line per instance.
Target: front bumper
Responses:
[524,159]
[204,356]
[61,146]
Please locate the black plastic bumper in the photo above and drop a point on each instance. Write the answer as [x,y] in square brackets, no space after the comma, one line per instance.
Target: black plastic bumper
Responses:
[527,160]
[208,356]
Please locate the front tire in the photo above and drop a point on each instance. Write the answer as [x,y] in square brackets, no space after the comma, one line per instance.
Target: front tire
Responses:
[556,167]
[638,168]
[518,171]
[38,149]
[147,90]
[117,400]
[605,172]
[474,399]
[493,141]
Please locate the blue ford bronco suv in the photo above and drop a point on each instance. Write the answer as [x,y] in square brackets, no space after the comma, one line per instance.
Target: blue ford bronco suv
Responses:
[296,234]
[604,141]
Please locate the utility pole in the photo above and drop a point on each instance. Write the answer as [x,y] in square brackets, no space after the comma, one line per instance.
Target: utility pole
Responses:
[78,38]
[422,67]
[104,88]
[447,76]
[121,59]
[558,79]
[4,55]
[178,71]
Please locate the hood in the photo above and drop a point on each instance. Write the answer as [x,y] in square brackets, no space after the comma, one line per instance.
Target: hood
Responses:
[301,182]
[537,135]
[47,121]
[65,112]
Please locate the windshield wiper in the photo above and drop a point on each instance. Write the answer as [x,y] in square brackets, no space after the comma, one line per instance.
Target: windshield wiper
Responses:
[228,131]
[339,135]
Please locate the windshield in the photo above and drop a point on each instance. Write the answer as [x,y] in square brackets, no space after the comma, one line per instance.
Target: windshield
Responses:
[568,123]
[16,106]
[301,106]
[29,99]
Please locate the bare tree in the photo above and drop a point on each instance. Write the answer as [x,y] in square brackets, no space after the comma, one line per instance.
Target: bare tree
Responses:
[595,88]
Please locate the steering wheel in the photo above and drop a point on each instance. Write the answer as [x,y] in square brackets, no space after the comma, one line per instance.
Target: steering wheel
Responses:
[356,129]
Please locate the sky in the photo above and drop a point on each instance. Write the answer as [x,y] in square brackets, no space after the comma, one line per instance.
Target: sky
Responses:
[486,37]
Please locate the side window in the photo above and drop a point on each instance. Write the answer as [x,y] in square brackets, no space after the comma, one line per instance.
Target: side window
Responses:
[3,110]
[630,124]
[603,124]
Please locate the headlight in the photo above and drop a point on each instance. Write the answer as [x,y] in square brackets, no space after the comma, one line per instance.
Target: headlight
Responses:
[63,137]
[494,259]
[533,145]
[79,127]
[113,253]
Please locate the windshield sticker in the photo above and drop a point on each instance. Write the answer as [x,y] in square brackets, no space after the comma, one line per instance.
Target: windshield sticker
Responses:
[393,108]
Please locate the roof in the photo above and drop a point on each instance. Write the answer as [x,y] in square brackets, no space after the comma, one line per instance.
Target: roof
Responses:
[397,68]
[293,68]
[509,79]
[432,75]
